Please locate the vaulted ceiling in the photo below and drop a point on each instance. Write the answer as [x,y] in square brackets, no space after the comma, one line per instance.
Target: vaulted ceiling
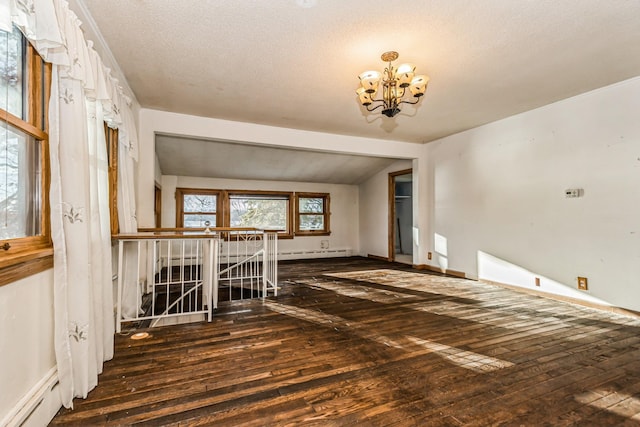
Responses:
[219,159]
[294,63]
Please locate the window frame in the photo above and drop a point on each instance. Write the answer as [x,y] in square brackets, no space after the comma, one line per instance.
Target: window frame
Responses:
[181,192]
[223,206]
[326,212]
[227,194]
[29,255]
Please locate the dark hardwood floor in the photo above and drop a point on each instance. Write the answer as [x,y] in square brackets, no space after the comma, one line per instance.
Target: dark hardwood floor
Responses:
[361,342]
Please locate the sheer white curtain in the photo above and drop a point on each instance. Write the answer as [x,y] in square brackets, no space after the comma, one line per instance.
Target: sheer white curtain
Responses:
[127,155]
[83,97]
[79,226]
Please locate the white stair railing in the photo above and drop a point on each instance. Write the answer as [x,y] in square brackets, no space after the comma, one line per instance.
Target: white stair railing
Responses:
[174,273]
[270,264]
[165,275]
[246,265]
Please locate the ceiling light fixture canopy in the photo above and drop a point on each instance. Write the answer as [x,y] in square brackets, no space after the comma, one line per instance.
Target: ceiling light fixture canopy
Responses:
[394,82]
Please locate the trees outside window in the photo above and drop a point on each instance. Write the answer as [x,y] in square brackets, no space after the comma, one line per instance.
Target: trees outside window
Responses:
[24,175]
[312,214]
[263,210]
[196,208]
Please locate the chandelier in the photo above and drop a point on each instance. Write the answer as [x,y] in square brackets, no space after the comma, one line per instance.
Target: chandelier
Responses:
[394,82]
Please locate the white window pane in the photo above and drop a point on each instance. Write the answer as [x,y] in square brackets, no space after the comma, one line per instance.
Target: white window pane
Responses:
[264,214]
[311,204]
[198,220]
[199,203]
[11,72]
[20,192]
[311,222]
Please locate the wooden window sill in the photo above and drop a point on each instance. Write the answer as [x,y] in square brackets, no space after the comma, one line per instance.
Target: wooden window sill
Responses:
[312,233]
[22,264]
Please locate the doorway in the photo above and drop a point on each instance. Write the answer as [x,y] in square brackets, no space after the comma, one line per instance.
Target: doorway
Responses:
[401,216]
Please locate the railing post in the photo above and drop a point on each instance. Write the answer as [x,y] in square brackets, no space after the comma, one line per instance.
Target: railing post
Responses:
[275,264]
[120,281]
[213,276]
[265,263]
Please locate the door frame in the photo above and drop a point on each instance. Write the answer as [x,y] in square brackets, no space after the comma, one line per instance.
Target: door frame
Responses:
[157,206]
[392,210]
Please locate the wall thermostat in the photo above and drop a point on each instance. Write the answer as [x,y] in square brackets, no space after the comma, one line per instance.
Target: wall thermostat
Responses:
[573,192]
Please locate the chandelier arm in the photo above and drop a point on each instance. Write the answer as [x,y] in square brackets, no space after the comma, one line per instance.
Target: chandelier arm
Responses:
[409,102]
[374,108]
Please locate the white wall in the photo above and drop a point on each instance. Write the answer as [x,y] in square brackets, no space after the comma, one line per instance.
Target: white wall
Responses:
[26,337]
[153,121]
[373,195]
[343,204]
[498,190]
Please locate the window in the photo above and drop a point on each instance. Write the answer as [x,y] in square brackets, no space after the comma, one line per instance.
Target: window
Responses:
[263,210]
[24,175]
[312,214]
[196,207]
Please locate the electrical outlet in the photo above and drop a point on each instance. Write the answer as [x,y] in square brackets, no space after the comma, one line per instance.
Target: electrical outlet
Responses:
[537,281]
[324,244]
[583,283]
[429,255]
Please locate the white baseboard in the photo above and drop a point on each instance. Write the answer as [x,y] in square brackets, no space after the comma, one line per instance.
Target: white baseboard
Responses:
[319,253]
[39,406]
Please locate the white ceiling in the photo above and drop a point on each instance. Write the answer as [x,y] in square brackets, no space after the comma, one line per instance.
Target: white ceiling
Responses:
[280,63]
[207,158]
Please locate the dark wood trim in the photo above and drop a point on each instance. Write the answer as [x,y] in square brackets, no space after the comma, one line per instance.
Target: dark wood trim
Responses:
[34,87]
[27,265]
[45,220]
[377,257]
[454,273]
[392,210]
[47,93]
[157,205]
[191,229]
[179,232]
[289,195]
[223,207]
[26,127]
[111,136]
[391,229]
[326,198]
[181,192]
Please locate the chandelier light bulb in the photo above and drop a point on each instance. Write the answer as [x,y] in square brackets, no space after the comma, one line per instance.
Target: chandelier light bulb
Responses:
[394,81]
[405,74]
[370,80]
[364,96]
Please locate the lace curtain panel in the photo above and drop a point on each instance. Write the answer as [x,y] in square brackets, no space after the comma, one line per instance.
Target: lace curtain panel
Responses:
[83,96]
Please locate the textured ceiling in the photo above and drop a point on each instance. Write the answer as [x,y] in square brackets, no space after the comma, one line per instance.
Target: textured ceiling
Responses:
[294,63]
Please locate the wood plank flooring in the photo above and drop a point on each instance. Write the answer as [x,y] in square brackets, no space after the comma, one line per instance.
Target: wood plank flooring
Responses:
[353,341]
